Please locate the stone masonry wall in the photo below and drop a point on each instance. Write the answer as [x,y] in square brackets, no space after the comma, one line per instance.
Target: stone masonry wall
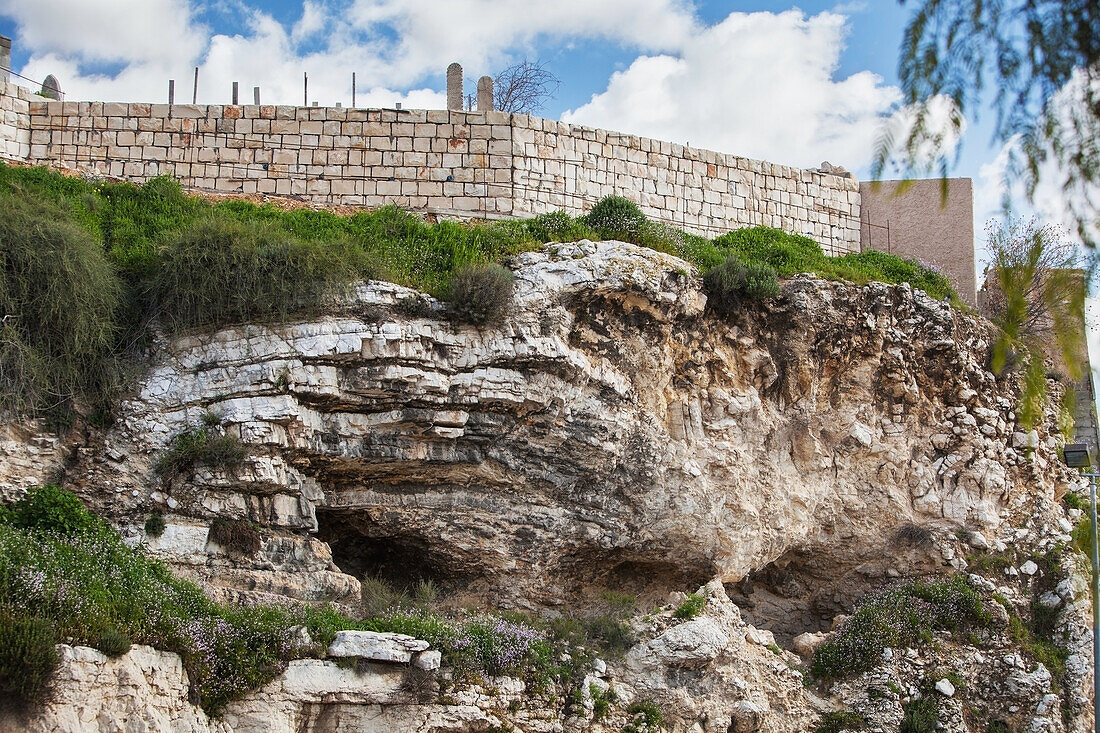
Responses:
[15,127]
[474,164]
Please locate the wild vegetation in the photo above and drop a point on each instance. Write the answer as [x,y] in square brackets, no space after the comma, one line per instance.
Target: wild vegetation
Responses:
[897,617]
[67,576]
[88,270]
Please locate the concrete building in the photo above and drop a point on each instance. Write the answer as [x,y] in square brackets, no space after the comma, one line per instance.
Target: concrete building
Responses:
[914,220]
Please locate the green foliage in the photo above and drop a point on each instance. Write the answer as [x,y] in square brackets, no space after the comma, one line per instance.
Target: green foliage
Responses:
[480,294]
[792,254]
[1082,535]
[615,217]
[558,226]
[691,607]
[840,721]
[112,642]
[237,535]
[920,715]
[1042,59]
[601,700]
[646,717]
[733,282]
[899,616]
[219,271]
[51,508]
[201,446]
[1037,300]
[28,660]
[155,525]
[1073,500]
[58,299]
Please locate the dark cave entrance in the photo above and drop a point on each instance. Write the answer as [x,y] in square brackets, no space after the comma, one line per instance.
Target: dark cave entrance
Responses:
[363,549]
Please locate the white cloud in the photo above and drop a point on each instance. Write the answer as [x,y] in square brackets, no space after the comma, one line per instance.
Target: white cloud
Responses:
[478,33]
[390,44]
[757,84]
[145,32]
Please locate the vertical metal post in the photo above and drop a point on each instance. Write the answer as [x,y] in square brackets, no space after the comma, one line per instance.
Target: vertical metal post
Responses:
[353,90]
[305,88]
[256,96]
[195,93]
[1095,608]
[171,91]
[235,97]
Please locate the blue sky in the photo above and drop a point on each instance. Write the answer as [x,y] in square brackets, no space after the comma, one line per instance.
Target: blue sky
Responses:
[795,84]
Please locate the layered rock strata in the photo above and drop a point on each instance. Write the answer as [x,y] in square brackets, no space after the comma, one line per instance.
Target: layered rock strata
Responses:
[611,434]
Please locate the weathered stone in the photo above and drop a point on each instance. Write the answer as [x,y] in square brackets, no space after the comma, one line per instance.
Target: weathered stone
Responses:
[381,647]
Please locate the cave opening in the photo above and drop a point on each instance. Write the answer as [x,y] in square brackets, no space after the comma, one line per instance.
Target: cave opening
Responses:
[364,549]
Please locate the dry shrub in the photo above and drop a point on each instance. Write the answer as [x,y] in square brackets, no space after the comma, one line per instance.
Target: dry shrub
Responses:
[480,294]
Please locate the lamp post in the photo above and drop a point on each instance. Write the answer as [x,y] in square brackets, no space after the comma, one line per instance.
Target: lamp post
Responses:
[1079,455]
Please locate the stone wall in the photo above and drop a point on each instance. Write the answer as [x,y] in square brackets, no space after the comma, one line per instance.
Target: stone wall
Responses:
[473,164]
[15,128]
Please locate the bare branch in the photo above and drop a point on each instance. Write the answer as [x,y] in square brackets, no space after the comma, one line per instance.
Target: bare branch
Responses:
[525,87]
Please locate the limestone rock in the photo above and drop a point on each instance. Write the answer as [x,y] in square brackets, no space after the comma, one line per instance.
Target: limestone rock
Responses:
[380,647]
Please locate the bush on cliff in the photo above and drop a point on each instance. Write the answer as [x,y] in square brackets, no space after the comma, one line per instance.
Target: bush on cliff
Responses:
[218,271]
[28,660]
[59,296]
[733,282]
[480,294]
[615,217]
[896,617]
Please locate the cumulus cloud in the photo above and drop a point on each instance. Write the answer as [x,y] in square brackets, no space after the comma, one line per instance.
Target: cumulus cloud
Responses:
[757,84]
[479,33]
[392,45]
[128,31]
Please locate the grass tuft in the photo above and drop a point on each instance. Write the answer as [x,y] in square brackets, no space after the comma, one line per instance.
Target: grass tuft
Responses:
[691,607]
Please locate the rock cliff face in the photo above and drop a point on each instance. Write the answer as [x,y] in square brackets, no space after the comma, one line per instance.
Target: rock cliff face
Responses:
[613,434]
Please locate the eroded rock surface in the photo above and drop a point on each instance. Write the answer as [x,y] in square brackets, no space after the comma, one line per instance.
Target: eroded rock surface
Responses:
[611,434]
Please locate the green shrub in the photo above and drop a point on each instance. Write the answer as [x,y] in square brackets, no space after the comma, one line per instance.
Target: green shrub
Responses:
[646,717]
[59,296]
[112,642]
[614,217]
[53,508]
[601,700]
[155,525]
[237,535]
[219,271]
[1073,500]
[202,446]
[920,715]
[733,282]
[895,617]
[558,226]
[788,254]
[692,606]
[480,294]
[28,660]
[840,721]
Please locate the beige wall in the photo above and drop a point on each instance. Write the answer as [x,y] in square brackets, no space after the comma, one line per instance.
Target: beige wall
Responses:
[472,164]
[919,224]
[15,132]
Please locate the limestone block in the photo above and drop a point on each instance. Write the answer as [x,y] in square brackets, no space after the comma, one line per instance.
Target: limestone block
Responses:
[383,647]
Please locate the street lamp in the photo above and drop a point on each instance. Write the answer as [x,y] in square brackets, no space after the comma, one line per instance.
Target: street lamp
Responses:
[1079,455]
